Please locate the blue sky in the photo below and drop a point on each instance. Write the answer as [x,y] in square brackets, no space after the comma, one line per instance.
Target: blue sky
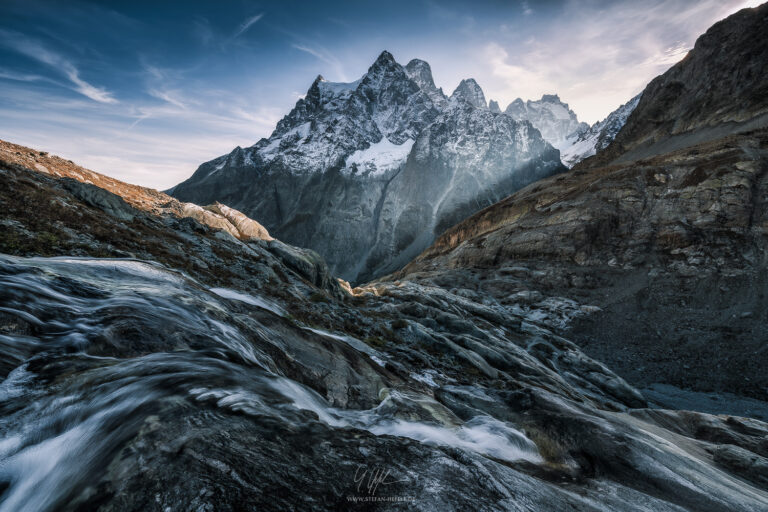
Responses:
[146,91]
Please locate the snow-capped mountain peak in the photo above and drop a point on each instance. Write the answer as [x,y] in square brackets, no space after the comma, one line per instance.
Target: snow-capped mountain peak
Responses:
[599,135]
[469,91]
[560,127]
[384,164]
[553,118]
[421,73]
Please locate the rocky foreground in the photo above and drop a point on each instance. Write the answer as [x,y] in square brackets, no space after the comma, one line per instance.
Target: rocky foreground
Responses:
[161,362]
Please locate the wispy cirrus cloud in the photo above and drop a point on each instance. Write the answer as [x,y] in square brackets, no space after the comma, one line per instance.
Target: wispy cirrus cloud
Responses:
[156,145]
[246,25]
[23,77]
[37,51]
[325,56]
[211,37]
[172,97]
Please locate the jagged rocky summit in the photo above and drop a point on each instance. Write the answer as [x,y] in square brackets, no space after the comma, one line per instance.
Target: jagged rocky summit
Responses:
[555,120]
[368,173]
[560,126]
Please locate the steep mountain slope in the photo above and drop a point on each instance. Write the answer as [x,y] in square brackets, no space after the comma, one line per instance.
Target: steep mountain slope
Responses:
[720,87]
[671,249]
[598,136]
[368,173]
[231,378]
[557,123]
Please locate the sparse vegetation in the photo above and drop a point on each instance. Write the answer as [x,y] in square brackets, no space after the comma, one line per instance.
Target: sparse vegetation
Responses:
[318,297]
[399,324]
[375,341]
[552,452]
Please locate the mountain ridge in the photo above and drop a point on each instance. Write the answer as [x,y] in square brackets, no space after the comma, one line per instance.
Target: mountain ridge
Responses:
[335,171]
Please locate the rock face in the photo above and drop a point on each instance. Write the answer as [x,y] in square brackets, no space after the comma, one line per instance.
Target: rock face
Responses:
[420,72]
[671,248]
[598,136]
[720,87]
[110,203]
[227,219]
[218,373]
[557,123]
[471,93]
[368,173]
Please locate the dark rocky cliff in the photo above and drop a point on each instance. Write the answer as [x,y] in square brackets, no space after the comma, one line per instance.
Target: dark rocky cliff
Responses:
[671,248]
[720,87]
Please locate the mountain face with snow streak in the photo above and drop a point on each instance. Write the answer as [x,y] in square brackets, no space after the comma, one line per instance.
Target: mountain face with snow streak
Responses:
[557,123]
[368,173]
[598,136]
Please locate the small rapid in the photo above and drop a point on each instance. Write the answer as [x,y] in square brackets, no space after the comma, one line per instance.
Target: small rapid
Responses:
[92,350]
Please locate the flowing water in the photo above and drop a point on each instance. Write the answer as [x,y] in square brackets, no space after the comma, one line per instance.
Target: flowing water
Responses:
[91,349]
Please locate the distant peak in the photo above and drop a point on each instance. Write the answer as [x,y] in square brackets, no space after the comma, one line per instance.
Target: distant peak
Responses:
[318,79]
[420,72]
[551,98]
[385,58]
[419,65]
[469,91]
[493,106]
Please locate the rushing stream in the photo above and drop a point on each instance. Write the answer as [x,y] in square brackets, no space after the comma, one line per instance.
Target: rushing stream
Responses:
[93,350]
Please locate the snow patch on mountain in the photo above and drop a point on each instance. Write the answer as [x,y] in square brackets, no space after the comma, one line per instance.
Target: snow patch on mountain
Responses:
[338,88]
[578,150]
[598,136]
[379,158]
[294,136]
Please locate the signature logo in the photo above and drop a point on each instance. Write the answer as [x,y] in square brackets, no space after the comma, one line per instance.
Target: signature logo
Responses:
[369,479]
